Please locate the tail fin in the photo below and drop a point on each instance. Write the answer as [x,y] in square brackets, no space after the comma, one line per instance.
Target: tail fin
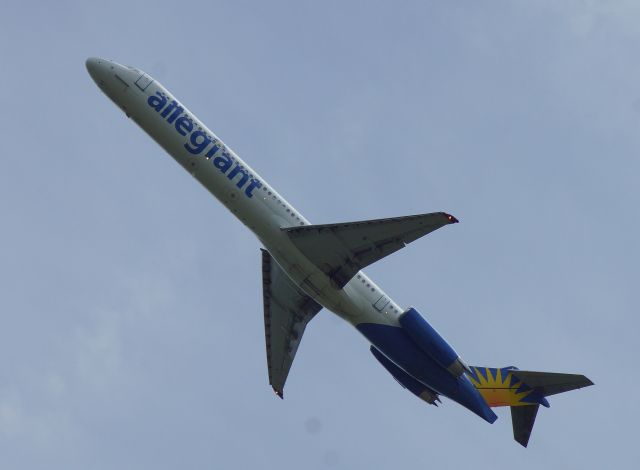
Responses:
[524,391]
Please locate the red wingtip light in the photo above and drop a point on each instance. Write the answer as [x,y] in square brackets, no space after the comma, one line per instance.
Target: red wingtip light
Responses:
[452,219]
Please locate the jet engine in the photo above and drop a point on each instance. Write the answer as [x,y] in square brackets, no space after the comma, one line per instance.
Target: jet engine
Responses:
[431,343]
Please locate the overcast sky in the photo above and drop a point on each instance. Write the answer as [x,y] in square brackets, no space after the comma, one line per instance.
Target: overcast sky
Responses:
[131,324]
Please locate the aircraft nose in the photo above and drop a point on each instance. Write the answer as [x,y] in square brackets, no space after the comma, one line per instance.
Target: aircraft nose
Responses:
[95,66]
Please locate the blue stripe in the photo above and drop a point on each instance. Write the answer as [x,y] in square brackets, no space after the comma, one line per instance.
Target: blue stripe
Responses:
[523,388]
[513,381]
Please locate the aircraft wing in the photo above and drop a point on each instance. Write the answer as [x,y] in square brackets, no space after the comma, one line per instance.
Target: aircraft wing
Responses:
[287,311]
[341,250]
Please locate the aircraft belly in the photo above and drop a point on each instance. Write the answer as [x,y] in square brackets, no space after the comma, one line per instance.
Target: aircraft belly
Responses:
[354,302]
[310,280]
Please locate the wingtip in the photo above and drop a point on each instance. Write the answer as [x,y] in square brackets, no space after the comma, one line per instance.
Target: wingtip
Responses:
[279,393]
[451,218]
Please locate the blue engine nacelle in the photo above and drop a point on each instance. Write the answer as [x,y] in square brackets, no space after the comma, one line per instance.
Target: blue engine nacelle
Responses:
[430,342]
[417,388]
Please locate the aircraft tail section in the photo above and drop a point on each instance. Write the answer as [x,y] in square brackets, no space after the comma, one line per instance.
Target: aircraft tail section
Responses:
[524,391]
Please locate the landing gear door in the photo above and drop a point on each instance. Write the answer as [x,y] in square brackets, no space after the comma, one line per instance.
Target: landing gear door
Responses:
[143,81]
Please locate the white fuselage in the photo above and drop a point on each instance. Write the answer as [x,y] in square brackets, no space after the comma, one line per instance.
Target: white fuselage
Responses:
[247,195]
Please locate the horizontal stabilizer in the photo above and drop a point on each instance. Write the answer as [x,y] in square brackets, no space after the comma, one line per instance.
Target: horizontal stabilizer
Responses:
[341,250]
[550,383]
[523,419]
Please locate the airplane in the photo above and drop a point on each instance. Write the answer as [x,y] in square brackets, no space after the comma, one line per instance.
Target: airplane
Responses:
[306,267]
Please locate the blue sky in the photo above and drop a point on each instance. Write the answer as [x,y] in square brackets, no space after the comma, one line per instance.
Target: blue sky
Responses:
[131,315]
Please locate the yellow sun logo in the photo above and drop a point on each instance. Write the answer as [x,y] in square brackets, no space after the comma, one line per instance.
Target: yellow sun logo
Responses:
[500,387]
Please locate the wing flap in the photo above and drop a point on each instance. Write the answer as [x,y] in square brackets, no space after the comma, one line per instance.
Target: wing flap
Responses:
[287,311]
[341,250]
